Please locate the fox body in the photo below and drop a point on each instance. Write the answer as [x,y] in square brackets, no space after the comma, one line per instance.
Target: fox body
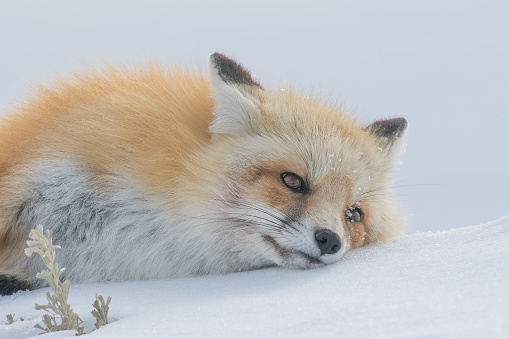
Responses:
[148,173]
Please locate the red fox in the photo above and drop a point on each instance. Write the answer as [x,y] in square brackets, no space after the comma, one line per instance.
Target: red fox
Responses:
[150,172]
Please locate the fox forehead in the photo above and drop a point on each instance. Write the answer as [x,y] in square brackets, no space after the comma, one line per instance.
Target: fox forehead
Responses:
[312,136]
[307,114]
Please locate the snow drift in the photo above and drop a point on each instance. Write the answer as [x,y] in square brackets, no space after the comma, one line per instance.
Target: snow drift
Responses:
[453,283]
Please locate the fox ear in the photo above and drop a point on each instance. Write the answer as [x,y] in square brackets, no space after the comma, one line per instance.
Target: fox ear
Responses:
[390,135]
[236,96]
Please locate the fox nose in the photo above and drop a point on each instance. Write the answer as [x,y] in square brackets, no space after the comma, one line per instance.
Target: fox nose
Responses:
[328,241]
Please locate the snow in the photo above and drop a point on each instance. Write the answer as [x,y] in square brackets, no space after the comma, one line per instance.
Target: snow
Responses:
[446,284]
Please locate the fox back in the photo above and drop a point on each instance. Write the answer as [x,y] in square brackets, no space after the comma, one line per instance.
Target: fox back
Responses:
[149,172]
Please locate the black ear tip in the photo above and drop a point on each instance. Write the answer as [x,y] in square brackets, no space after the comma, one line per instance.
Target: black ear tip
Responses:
[389,128]
[230,71]
[401,122]
[223,63]
[215,57]
[392,124]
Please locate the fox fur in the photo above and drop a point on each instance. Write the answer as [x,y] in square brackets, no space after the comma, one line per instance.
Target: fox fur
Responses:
[153,172]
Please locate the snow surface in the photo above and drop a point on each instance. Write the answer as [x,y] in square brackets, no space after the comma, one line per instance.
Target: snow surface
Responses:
[426,285]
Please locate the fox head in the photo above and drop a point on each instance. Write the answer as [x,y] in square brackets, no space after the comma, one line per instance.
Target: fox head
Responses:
[301,182]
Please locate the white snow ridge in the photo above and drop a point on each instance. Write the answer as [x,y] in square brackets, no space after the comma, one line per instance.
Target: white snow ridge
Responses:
[426,285]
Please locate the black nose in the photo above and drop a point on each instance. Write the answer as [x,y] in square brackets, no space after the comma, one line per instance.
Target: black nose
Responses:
[328,241]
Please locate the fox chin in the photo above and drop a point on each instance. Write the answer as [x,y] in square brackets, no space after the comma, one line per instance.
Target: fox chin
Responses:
[151,172]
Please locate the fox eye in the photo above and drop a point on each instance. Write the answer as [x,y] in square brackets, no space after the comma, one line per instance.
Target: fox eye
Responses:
[354,214]
[293,181]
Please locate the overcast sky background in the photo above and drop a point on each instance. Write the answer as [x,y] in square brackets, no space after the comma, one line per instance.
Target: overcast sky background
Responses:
[444,65]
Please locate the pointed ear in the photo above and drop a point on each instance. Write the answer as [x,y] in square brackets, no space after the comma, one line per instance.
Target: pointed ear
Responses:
[236,94]
[390,135]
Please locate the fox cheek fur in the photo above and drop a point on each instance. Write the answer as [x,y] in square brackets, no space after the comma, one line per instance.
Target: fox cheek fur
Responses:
[151,173]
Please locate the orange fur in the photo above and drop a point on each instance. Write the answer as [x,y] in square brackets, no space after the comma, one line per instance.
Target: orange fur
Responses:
[161,114]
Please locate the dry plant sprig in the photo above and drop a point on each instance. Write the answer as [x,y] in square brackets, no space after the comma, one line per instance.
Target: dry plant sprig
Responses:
[57,303]
[10,319]
[101,310]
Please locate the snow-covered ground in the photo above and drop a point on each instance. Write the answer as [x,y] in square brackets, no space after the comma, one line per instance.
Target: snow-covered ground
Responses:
[426,285]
